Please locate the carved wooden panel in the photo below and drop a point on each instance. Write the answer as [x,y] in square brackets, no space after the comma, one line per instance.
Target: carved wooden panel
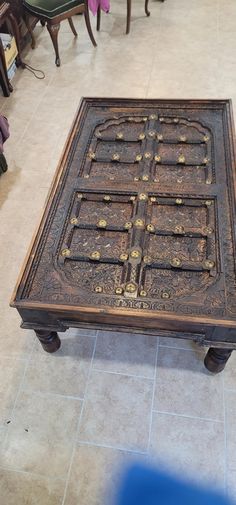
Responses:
[141,216]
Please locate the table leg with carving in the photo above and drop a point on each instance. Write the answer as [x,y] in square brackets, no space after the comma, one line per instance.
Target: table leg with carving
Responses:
[216,359]
[49,340]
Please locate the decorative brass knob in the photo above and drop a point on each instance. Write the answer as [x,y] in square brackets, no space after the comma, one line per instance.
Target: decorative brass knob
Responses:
[176,262]
[136,178]
[165,295]
[206,161]
[147,260]
[119,291]
[153,199]
[179,229]
[182,138]
[135,254]
[143,292]
[98,289]
[206,138]
[208,230]
[141,136]
[79,196]
[181,158]
[115,157]
[95,255]
[160,137]
[102,223]
[139,223]
[130,287]
[91,155]
[179,201]
[128,225]
[208,203]
[208,181]
[74,220]
[123,257]
[132,198]
[157,158]
[147,156]
[65,252]
[209,264]
[138,157]
[145,178]
[151,133]
[107,198]
[176,120]
[143,196]
[119,136]
[153,116]
[150,227]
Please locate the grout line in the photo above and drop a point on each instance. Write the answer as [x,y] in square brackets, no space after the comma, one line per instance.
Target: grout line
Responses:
[24,472]
[208,419]
[124,374]
[225,437]
[78,425]
[153,395]
[230,390]
[51,393]
[114,447]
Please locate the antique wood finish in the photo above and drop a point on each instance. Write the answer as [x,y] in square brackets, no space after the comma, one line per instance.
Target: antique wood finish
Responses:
[18,12]
[138,229]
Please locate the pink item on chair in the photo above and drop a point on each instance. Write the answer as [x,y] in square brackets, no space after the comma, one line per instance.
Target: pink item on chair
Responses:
[94,4]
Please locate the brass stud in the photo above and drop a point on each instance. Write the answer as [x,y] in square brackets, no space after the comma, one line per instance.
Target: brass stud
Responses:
[179,181]
[150,227]
[182,138]
[86,176]
[119,136]
[98,134]
[128,225]
[208,230]
[208,181]
[209,264]
[102,223]
[147,156]
[176,120]
[179,229]
[119,291]
[145,119]
[145,177]
[65,252]
[176,262]
[156,180]
[143,292]
[138,157]
[153,116]
[178,201]
[95,255]
[157,158]
[206,138]
[124,257]
[141,136]
[98,289]
[74,220]
[132,198]
[139,223]
[91,155]
[79,196]
[147,260]
[165,295]
[161,119]
[143,196]
[115,157]
[130,118]
[136,178]
[208,203]
[151,133]
[181,158]
[153,199]
[130,287]
[107,198]
[206,161]
[135,254]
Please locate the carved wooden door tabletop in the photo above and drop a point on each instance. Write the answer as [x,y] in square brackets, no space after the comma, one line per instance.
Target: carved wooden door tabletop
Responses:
[138,231]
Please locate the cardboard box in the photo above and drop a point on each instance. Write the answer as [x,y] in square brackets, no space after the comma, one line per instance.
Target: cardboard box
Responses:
[10,49]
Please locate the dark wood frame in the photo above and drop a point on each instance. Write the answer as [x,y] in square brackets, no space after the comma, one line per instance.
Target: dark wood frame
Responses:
[6,17]
[53,25]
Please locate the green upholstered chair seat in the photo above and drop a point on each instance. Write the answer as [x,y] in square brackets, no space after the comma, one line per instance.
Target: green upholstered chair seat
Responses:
[51,8]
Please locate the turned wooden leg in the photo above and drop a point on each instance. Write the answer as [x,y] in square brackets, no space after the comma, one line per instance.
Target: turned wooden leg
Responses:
[49,340]
[128,19]
[53,30]
[216,359]
[42,22]
[146,8]
[72,27]
[87,21]
[98,18]
[28,26]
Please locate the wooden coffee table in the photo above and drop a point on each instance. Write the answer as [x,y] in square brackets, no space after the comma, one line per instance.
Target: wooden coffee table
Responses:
[138,232]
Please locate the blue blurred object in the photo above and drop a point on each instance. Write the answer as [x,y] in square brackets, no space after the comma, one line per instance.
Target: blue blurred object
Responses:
[143,485]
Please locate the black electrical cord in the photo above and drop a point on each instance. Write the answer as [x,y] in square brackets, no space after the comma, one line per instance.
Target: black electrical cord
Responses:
[34,71]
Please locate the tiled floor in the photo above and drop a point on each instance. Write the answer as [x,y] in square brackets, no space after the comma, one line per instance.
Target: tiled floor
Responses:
[69,419]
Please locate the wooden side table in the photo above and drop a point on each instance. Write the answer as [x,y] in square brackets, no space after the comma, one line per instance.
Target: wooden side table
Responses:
[7,17]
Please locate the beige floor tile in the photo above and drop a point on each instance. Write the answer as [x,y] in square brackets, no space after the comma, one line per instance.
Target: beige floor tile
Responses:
[117,411]
[95,474]
[231,484]
[230,407]
[11,374]
[178,343]
[23,489]
[230,373]
[183,386]
[41,434]
[126,353]
[192,447]
[64,372]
